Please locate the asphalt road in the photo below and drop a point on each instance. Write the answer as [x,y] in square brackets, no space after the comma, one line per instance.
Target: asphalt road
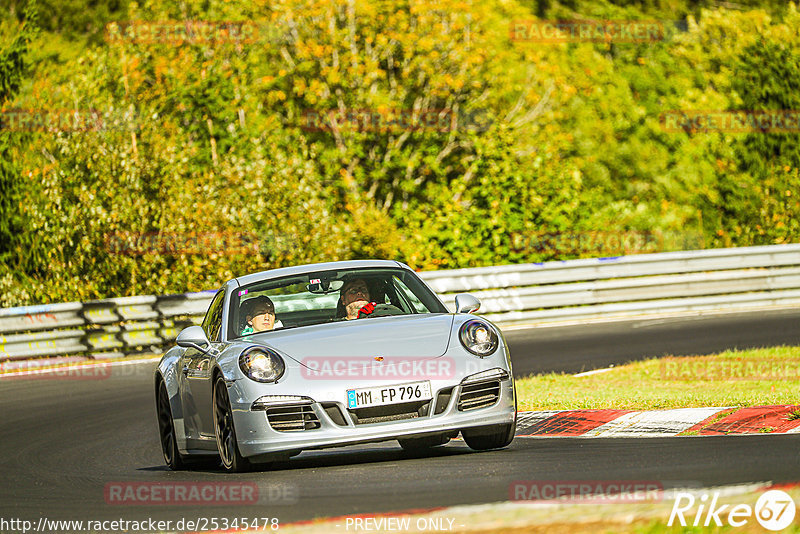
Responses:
[573,349]
[64,440]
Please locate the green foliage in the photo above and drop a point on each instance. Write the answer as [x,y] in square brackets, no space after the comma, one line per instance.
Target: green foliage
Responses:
[81,20]
[766,209]
[12,57]
[251,137]
[769,80]
[12,69]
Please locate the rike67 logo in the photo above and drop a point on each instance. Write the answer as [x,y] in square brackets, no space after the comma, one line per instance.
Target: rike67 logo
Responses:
[774,510]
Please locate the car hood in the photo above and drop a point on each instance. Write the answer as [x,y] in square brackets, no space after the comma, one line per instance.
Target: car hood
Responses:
[412,336]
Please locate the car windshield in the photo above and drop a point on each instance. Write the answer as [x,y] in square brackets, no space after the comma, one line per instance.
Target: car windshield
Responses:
[321,297]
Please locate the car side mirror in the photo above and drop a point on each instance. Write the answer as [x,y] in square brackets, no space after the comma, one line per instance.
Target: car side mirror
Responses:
[193,337]
[466,303]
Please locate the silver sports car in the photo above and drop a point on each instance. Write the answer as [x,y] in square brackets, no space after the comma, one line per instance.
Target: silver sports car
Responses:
[328,355]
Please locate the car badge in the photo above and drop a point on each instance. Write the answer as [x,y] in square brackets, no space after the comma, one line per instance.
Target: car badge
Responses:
[378,358]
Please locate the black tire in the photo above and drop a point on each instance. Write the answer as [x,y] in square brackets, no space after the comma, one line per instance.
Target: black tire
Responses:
[485,438]
[166,431]
[421,444]
[232,460]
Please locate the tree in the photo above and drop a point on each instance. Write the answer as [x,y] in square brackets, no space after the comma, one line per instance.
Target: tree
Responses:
[12,71]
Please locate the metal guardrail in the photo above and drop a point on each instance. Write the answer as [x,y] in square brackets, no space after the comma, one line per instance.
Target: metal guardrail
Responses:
[667,282]
[101,328]
[670,282]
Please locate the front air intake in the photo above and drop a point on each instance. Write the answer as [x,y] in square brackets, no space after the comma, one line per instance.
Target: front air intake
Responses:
[479,395]
[392,412]
[292,418]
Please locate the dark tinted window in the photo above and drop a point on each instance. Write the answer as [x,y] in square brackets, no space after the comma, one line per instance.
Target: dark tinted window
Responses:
[212,324]
[314,298]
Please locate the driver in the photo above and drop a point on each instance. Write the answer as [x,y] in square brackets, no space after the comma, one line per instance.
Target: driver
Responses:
[260,315]
[354,297]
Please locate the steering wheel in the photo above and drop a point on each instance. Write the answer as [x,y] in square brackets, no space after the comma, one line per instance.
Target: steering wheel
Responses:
[385,310]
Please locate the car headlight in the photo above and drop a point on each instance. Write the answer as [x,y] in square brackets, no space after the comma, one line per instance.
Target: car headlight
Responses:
[261,364]
[478,337]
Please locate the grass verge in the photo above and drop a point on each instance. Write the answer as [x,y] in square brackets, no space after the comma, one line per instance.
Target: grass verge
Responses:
[758,377]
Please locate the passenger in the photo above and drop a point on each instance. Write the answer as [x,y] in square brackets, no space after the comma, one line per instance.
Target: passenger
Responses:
[259,313]
[354,300]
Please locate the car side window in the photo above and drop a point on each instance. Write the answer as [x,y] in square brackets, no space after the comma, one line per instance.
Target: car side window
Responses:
[409,295]
[212,324]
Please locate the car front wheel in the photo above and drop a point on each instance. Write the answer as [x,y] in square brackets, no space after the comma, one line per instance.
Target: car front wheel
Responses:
[228,448]
[485,438]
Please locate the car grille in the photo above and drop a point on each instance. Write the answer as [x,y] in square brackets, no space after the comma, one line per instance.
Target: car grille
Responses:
[393,412]
[292,418]
[480,395]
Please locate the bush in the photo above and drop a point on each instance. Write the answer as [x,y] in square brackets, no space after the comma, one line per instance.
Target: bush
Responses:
[415,131]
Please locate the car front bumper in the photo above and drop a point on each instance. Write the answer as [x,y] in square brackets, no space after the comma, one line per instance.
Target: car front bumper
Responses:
[256,437]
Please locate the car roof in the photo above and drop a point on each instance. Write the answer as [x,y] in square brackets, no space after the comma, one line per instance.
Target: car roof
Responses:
[314,267]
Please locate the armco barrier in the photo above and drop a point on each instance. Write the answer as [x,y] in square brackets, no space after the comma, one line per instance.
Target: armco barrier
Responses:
[676,282]
[669,282]
[100,328]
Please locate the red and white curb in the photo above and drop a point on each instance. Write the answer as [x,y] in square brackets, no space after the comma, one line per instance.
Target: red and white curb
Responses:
[782,419]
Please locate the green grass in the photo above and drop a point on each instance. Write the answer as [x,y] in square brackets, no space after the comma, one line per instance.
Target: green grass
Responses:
[733,378]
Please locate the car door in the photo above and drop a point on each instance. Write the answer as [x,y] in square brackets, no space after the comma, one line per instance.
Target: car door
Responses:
[196,376]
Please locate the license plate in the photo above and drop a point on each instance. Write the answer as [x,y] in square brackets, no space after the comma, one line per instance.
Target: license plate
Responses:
[394,394]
